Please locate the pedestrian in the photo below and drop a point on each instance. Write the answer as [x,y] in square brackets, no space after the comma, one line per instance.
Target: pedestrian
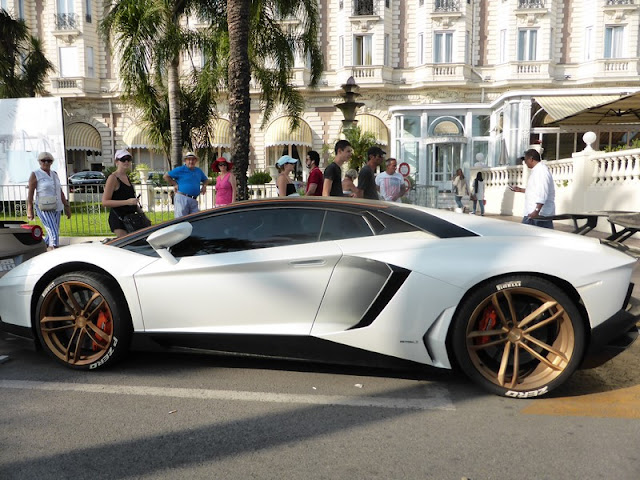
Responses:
[119,194]
[390,183]
[284,184]
[332,183]
[349,188]
[50,199]
[477,193]
[460,187]
[314,181]
[226,186]
[540,193]
[189,182]
[367,178]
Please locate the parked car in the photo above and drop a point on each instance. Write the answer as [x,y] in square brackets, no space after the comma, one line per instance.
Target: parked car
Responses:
[518,308]
[87,181]
[19,242]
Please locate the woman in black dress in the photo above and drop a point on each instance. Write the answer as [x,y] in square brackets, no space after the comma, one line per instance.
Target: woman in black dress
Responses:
[119,194]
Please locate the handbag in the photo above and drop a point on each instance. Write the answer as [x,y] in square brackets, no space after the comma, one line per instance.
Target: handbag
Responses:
[135,221]
[47,203]
[473,197]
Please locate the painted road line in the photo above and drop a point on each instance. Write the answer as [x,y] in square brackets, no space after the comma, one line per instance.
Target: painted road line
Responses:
[436,398]
[623,403]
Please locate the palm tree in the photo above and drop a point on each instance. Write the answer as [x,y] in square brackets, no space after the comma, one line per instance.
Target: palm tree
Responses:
[262,48]
[149,39]
[23,65]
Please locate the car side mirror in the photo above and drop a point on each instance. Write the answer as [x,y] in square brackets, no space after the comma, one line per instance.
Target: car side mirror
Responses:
[165,238]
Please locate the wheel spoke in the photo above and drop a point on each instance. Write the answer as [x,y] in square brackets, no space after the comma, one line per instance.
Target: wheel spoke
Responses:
[482,346]
[496,305]
[540,357]
[503,363]
[546,347]
[487,333]
[544,322]
[67,349]
[74,306]
[89,303]
[97,331]
[537,312]
[67,318]
[516,365]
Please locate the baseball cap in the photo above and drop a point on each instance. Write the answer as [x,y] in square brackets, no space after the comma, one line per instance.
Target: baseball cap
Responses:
[122,153]
[375,151]
[285,159]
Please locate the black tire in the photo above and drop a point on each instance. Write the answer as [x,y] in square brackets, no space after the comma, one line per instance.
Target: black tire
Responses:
[500,345]
[82,321]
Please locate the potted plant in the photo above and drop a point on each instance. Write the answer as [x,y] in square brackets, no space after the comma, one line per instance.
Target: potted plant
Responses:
[143,171]
[259,177]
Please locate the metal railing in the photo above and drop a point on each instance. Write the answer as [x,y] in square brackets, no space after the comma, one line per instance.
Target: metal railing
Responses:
[365,7]
[531,4]
[90,218]
[447,6]
[66,21]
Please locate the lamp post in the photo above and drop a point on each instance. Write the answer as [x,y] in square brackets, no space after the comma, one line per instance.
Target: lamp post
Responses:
[350,106]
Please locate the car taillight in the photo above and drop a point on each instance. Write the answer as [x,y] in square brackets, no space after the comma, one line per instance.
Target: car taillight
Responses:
[36,231]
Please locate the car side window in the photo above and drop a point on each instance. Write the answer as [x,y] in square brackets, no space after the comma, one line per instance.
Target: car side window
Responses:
[341,225]
[251,229]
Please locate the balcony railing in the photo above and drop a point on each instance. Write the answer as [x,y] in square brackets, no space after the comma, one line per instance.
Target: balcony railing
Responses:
[66,21]
[365,7]
[447,6]
[531,4]
[619,2]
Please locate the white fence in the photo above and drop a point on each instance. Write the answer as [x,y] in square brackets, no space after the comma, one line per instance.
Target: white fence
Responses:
[589,181]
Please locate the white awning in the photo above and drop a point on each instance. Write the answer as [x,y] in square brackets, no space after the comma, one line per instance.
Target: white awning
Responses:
[278,133]
[82,136]
[559,107]
[221,136]
[375,126]
[135,137]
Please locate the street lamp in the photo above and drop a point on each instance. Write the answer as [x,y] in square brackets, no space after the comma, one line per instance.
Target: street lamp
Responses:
[349,107]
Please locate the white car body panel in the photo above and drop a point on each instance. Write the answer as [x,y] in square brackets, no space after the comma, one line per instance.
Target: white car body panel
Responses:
[280,290]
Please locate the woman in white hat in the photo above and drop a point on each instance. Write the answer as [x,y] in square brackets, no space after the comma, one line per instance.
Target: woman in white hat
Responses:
[50,199]
[285,185]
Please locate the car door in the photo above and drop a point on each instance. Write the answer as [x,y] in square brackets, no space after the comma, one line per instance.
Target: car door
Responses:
[253,271]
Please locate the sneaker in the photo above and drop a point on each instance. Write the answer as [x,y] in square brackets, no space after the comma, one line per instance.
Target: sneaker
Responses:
[472,213]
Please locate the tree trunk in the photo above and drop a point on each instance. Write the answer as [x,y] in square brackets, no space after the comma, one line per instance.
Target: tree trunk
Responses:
[239,99]
[173,92]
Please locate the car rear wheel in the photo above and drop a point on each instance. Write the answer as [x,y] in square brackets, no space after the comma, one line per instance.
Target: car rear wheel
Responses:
[519,336]
[82,320]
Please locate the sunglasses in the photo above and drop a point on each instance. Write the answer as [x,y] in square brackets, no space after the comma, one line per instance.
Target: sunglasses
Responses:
[222,164]
[126,159]
[46,160]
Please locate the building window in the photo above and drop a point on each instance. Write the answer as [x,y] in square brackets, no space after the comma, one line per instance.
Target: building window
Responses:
[613,42]
[69,62]
[503,47]
[443,47]
[362,54]
[65,16]
[387,50]
[588,43]
[341,51]
[90,65]
[527,43]
[387,3]
[420,49]
[21,9]
[87,11]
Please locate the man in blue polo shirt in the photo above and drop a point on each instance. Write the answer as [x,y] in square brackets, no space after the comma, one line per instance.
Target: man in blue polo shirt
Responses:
[190,182]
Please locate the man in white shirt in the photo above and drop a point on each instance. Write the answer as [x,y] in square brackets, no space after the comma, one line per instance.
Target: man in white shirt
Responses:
[390,183]
[540,194]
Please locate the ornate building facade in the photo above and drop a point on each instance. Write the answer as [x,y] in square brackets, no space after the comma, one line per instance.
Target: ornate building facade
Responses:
[445,83]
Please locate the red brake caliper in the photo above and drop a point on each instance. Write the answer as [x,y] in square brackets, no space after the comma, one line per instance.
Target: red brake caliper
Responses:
[104,324]
[487,322]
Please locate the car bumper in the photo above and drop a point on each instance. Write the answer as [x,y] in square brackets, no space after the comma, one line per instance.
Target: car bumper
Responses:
[613,336]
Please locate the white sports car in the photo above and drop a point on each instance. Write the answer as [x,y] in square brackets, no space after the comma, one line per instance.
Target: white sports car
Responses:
[517,308]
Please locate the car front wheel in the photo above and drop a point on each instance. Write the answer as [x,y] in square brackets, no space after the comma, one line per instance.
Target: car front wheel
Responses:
[519,336]
[82,320]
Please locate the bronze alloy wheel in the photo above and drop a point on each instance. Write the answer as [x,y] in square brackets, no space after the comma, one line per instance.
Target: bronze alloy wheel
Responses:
[521,337]
[79,322]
